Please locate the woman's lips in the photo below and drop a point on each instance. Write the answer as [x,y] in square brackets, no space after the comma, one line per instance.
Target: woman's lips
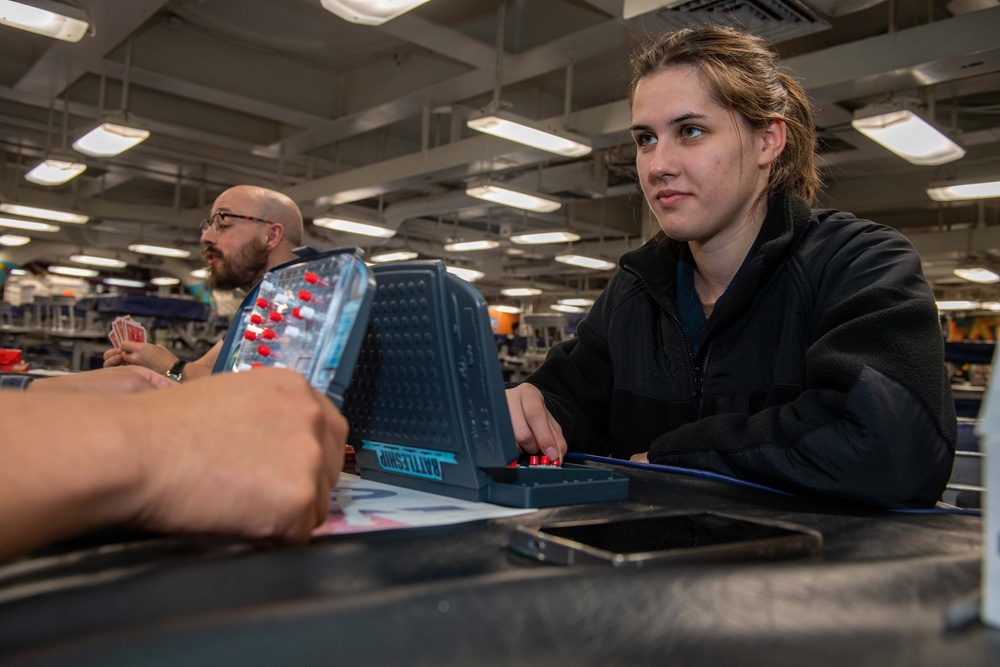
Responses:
[670,198]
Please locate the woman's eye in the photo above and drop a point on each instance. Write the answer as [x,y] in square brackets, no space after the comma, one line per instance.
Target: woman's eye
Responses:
[645,139]
[690,132]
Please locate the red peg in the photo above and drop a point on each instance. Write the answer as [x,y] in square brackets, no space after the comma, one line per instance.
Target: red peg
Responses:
[310,278]
[256,364]
[545,459]
[305,295]
[250,335]
[256,319]
[296,313]
[275,316]
[557,462]
[512,464]
[263,350]
[268,334]
[262,302]
[533,460]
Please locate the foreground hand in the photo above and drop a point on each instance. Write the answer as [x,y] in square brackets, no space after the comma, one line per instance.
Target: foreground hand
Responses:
[254,454]
[535,429]
[640,458]
[116,380]
[148,355]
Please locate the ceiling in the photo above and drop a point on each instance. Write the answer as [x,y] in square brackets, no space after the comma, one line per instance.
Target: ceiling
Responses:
[370,122]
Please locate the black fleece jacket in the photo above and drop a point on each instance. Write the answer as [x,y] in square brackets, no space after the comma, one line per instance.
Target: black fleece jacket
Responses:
[821,372]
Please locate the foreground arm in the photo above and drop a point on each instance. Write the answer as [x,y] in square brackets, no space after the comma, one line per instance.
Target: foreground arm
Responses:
[252,454]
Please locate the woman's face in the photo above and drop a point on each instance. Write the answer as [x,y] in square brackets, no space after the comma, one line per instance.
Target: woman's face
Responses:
[700,166]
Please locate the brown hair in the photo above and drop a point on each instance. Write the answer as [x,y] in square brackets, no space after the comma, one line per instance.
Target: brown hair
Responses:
[745,76]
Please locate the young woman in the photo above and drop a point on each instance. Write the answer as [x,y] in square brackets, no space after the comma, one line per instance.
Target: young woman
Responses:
[752,336]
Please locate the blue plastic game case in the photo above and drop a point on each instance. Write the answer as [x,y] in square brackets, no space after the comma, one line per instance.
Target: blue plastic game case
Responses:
[426,404]
[310,315]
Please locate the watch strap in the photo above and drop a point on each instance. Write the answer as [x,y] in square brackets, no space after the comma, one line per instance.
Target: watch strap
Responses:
[176,372]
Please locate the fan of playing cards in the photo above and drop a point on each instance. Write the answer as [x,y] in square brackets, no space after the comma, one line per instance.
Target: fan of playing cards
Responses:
[125,328]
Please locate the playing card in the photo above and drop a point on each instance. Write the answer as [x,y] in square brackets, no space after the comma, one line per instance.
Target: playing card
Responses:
[135,332]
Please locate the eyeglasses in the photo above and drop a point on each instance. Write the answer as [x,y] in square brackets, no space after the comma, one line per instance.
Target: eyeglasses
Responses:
[217,223]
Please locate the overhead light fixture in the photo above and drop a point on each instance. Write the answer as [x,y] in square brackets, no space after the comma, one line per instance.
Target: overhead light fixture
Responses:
[530,133]
[586,262]
[18,272]
[12,240]
[536,238]
[986,305]
[579,303]
[200,274]
[55,170]
[959,190]
[355,227]
[521,291]
[115,135]
[42,17]
[165,281]
[369,12]
[468,275]
[977,274]
[98,261]
[957,305]
[158,250]
[509,196]
[513,310]
[563,308]
[28,225]
[74,271]
[468,246]
[906,134]
[44,213]
[124,282]
[396,256]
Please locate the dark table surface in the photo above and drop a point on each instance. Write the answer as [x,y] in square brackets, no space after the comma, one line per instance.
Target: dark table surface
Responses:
[875,595]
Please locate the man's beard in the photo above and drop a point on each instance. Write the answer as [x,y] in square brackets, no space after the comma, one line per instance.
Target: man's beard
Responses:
[239,271]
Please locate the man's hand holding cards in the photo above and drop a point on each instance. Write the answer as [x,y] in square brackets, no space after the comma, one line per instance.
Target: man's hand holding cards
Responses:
[125,328]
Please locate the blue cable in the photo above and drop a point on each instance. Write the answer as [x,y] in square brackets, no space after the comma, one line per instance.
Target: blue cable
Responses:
[705,474]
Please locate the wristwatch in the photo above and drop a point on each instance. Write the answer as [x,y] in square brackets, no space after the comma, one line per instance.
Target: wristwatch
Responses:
[176,372]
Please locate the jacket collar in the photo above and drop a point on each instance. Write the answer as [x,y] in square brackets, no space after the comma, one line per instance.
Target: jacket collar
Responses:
[655,262]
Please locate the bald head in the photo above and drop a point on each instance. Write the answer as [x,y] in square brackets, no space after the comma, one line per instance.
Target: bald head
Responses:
[274,206]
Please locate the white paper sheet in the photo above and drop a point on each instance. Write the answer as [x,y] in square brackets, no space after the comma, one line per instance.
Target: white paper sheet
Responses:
[358,505]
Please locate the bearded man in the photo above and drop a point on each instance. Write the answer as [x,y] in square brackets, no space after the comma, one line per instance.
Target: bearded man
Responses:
[251,229]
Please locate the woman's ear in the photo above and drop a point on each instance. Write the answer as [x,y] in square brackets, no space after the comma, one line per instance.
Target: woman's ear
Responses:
[772,142]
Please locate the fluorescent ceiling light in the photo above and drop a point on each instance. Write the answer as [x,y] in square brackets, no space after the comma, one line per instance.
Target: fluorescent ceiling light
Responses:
[977,275]
[98,261]
[957,305]
[964,190]
[55,172]
[907,135]
[353,227]
[521,291]
[544,237]
[110,138]
[986,305]
[200,274]
[580,303]
[523,131]
[158,250]
[164,281]
[468,275]
[51,19]
[28,225]
[513,310]
[369,12]
[44,213]
[510,197]
[124,282]
[563,308]
[467,246]
[73,271]
[14,240]
[397,256]
[18,272]
[586,262]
